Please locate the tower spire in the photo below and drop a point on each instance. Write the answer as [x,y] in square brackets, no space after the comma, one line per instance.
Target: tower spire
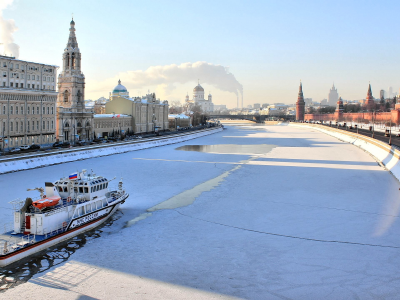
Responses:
[72,43]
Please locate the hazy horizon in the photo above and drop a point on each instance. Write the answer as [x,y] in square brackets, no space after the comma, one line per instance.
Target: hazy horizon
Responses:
[266,47]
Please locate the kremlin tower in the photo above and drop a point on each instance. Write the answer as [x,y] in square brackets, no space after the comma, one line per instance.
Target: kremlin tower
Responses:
[370,102]
[339,110]
[300,104]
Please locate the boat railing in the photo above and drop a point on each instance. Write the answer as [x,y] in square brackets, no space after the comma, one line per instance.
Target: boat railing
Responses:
[7,227]
[17,243]
[17,204]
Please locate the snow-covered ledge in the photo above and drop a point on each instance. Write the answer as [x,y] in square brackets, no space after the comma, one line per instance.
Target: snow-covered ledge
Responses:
[40,160]
[382,152]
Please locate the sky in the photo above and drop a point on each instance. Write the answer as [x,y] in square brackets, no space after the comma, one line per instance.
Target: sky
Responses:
[265,47]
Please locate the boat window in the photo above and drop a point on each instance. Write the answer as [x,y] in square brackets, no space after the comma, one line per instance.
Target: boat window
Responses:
[98,188]
[93,206]
[65,182]
[91,189]
[88,208]
[81,190]
[86,190]
[107,185]
[98,204]
[82,210]
[65,189]
[60,189]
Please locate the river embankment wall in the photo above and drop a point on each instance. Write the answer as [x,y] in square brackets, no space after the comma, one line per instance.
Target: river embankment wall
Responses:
[385,154]
[31,161]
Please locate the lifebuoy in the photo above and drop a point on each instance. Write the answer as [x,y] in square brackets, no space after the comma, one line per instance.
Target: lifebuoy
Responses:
[64,224]
[69,199]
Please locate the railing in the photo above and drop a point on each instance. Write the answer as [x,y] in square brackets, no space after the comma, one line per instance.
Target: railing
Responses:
[15,243]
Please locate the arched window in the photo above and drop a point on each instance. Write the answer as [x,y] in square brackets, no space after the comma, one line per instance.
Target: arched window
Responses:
[67,59]
[79,124]
[73,60]
[67,124]
[88,124]
[66,96]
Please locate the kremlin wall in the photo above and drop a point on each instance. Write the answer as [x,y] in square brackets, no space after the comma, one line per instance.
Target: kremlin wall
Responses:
[339,116]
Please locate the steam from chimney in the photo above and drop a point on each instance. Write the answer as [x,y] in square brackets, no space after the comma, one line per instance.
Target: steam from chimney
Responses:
[166,76]
[7,28]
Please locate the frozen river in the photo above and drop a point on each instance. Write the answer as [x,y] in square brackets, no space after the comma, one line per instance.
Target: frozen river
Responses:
[254,212]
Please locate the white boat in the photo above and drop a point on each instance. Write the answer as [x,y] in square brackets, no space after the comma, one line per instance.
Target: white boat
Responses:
[66,208]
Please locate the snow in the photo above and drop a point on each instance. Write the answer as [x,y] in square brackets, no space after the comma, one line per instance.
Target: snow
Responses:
[95,151]
[312,218]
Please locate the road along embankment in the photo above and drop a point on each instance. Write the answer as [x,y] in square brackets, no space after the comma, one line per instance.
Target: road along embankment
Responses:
[385,154]
[30,161]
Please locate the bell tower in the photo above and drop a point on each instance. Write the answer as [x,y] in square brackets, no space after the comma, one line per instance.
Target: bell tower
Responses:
[71,81]
[74,121]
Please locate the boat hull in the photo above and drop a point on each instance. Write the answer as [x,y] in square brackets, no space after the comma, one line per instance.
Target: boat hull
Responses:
[72,231]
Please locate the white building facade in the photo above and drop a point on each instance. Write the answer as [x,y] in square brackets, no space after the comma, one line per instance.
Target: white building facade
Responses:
[27,103]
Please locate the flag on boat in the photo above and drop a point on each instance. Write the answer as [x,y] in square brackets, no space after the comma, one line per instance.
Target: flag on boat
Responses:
[73,176]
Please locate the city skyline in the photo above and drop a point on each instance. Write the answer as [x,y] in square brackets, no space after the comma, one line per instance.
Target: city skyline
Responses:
[266,55]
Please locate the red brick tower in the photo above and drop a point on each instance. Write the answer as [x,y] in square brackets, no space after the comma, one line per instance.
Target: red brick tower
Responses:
[300,104]
[339,110]
[370,102]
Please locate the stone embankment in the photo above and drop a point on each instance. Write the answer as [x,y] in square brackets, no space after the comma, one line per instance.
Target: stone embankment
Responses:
[385,154]
[30,161]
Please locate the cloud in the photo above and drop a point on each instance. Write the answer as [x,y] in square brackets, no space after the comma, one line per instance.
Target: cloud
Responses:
[7,29]
[165,77]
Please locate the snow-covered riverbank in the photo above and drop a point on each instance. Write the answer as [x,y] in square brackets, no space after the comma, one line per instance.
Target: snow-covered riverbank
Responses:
[310,217]
[41,160]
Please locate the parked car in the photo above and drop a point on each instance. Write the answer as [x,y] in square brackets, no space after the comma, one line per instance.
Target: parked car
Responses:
[66,145]
[34,147]
[81,143]
[57,144]
[15,149]
[24,147]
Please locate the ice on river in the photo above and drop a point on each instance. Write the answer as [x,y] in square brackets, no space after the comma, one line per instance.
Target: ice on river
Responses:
[310,218]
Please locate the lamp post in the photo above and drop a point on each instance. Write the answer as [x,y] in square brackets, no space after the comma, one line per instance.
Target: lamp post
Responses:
[390,130]
[73,126]
[373,124]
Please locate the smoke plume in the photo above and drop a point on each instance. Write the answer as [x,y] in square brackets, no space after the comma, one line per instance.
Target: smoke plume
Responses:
[166,77]
[7,28]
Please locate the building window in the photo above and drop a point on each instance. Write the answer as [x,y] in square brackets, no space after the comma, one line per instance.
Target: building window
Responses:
[29,126]
[16,126]
[22,85]
[37,125]
[22,126]
[44,78]
[29,85]
[44,87]
[22,110]
[66,96]
[4,84]
[22,76]
[52,110]
[17,66]
[4,110]
[4,74]
[33,110]
[52,124]
[48,125]
[16,110]
[28,77]
[11,110]
[12,75]
[11,84]
[37,110]
[43,125]
[48,110]
[11,126]
[44,110]
[16,84]
[28,110]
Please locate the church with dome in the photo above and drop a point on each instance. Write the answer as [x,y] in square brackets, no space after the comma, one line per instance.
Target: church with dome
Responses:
[206,105]
[148,113]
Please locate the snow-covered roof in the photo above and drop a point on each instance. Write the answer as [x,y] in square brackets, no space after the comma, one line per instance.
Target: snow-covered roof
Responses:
[111,116]
[176,116]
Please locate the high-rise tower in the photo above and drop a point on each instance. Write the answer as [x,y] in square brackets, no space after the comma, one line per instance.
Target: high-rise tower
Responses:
[300,104]
[74,121]
[333,96]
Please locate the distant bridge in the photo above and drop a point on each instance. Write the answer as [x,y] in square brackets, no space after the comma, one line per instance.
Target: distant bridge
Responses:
[253,118]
